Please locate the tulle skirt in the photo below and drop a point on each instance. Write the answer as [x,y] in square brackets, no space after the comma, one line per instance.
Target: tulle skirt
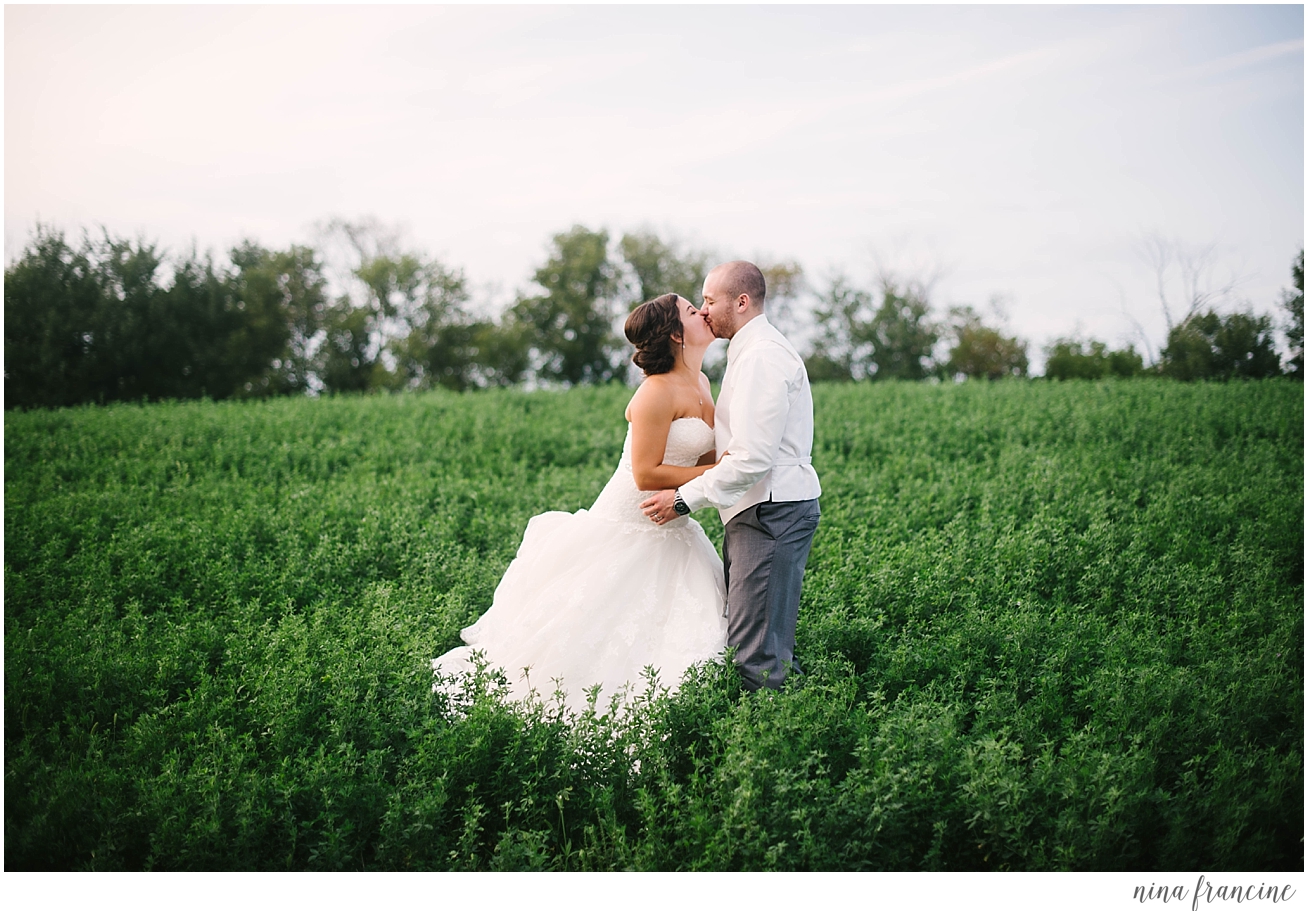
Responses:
[589,600]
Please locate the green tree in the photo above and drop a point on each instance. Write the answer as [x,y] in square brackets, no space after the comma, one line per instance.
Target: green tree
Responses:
[1188,354]
[1209,346]
[901,333]
[347,360]
[502,352]
[569,327]
[1292,301]
[786,284]
[441,345]
[52,302]
[402,320]
[371,272]
[1126,362]
[101,323]
[980,351]
[136,340]
[1070,358]
[205,341]
[858,338]
[283,295]
[837,351]
[659,267]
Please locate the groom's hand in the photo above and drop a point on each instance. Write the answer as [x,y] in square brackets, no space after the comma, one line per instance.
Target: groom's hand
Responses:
[659,507]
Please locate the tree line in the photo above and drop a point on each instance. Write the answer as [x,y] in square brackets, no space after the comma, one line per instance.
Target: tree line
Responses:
[111,319]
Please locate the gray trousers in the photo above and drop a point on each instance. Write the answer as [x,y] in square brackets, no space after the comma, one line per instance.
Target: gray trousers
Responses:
[764,552]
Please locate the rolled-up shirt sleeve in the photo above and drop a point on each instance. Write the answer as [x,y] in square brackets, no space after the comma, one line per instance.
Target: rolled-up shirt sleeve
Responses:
[760,406]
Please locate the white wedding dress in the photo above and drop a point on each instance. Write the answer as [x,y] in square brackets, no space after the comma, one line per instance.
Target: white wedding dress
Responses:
[597,595]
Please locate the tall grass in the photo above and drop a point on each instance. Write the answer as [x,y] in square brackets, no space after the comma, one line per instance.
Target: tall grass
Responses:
[1045,626]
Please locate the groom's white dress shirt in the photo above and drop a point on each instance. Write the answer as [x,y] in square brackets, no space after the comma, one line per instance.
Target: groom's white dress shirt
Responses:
[764,421]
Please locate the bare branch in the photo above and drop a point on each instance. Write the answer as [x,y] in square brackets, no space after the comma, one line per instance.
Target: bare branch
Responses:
[901,268]
[1157,251]
[1139,333]
[1193,266]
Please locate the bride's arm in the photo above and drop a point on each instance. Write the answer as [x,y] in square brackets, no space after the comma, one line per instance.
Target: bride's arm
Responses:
[651,413]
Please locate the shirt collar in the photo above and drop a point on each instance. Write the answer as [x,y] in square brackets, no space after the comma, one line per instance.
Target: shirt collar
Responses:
[740,340]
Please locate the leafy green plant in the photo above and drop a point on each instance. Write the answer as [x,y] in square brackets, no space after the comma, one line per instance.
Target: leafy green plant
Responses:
[1044,626]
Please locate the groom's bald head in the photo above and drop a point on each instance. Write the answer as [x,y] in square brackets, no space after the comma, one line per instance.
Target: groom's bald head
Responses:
[740,277]
[733,295]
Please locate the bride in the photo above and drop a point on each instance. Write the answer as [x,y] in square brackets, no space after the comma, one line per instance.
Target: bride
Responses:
[594,597]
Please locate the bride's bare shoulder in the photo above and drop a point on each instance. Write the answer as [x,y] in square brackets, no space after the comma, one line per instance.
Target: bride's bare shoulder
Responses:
[651,401]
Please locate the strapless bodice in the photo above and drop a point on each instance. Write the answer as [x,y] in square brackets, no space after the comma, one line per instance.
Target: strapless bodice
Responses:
[688,439]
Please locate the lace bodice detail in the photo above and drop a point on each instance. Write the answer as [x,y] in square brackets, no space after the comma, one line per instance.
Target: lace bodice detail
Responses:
[688,439]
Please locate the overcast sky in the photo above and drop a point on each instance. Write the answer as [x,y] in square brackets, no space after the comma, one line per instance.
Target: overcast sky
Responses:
[1021,151]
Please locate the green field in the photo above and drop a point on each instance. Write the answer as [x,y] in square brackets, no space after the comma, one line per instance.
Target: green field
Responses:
[1046,626]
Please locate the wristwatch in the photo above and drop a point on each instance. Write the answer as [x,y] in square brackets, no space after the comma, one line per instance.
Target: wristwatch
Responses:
[679,505]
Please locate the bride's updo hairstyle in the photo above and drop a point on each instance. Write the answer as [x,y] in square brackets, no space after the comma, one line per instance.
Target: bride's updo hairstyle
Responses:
[650,328]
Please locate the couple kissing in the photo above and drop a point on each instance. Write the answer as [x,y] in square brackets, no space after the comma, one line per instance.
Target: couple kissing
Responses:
[594,597]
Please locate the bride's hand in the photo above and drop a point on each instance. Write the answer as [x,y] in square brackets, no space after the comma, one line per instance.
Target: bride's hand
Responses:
[659,507]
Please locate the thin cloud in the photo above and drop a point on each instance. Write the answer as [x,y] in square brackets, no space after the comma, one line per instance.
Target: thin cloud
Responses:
[801,113]
[1237,61]
[964,77]
[772,118]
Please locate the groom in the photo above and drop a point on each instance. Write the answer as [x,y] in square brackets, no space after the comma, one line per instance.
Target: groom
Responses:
[765,487]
